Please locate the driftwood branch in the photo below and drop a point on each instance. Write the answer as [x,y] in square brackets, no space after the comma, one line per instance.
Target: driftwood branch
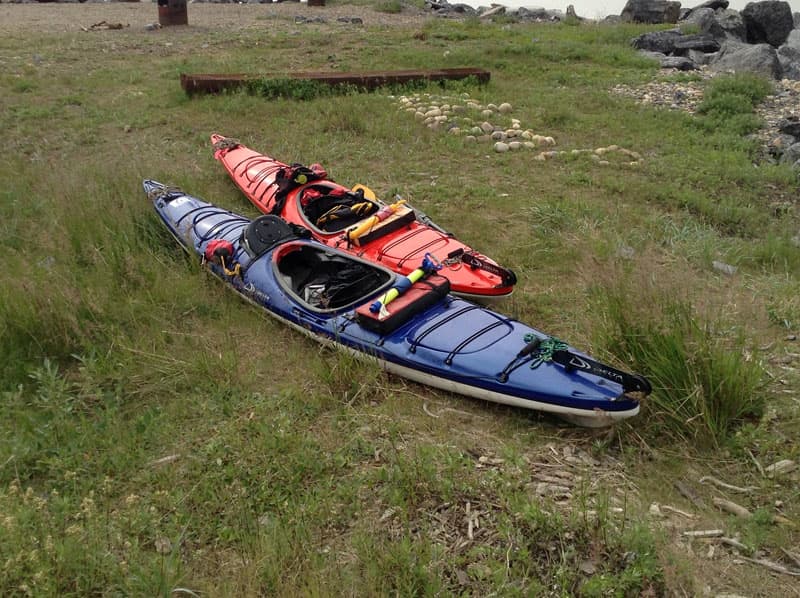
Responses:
[772,566]
[792,556]
[734,543]
[721,484]
[704,533]
[758,465]
[425,409]
[731,507]
[678,511]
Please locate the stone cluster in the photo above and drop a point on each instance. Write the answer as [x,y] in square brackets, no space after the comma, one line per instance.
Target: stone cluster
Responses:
[444,9]
[492,123]
[762,38]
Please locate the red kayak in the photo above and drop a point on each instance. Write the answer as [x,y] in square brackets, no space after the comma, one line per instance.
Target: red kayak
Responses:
[353,219]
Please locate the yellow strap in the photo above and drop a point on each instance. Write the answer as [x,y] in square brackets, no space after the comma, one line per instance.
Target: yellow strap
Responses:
[368,193]
[237,270]
[366,226]
[333,214]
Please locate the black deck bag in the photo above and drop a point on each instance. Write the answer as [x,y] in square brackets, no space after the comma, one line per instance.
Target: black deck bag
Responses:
[265,232]
[422,295]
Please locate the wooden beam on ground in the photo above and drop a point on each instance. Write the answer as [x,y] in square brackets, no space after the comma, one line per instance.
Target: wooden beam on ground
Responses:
[211,83]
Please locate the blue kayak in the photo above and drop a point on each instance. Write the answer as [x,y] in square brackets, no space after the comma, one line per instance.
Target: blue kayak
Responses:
[412,327]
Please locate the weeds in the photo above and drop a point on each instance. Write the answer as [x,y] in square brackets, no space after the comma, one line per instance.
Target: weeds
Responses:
[729,101]
[705,384]
[296,89]
[389,6]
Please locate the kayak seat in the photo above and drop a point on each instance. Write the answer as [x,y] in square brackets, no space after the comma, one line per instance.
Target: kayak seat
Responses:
[334,209]
[324,281]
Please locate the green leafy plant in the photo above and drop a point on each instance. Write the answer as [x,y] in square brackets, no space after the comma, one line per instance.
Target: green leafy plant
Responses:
[296,89]
[729,101]
[389,6]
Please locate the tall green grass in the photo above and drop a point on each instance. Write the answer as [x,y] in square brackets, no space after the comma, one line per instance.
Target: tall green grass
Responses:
[708,381]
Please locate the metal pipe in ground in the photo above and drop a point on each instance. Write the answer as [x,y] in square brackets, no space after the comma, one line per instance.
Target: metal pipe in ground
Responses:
[172,12]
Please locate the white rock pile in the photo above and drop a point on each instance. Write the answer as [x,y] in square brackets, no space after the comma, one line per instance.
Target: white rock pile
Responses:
[492,123]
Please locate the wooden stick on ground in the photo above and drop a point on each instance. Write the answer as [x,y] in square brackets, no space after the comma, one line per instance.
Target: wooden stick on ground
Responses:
[731,507]
[772,566]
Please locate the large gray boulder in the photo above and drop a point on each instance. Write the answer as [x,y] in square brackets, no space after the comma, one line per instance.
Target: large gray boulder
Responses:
[539,14]
[702,42]
[761,59]
[768,22]
[713,4]
[728,24]
[698,17]
[791,155]
[700,58]
[793,41]
[790,63]
[722,24]
[657,41]
[651,11]
[789,56]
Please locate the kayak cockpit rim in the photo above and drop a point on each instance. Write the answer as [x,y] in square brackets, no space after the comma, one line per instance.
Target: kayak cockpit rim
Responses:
[328,281]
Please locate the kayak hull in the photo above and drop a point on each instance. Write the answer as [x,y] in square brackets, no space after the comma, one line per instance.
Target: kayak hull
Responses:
[453,344]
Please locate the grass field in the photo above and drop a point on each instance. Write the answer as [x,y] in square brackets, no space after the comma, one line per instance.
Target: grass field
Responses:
[160,437]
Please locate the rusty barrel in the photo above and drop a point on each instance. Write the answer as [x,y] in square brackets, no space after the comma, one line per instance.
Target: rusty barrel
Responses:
[172,12]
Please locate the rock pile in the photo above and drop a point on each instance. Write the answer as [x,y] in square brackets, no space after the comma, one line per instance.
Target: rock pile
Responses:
[762,38]
[492,123]
[443,9]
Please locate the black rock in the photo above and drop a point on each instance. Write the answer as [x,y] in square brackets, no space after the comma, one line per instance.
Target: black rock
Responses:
[657,41]
[790,126]
[678,62]
[700,42]
[651,11]
[713,4]
[768,22]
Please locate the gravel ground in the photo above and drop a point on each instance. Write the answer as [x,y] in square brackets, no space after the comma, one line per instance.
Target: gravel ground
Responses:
[62,18]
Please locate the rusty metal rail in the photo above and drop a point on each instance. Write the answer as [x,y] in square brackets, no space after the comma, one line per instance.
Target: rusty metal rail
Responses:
[211,83]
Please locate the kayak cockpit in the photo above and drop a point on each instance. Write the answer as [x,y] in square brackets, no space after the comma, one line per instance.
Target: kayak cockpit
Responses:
[326,281]
[331,208]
